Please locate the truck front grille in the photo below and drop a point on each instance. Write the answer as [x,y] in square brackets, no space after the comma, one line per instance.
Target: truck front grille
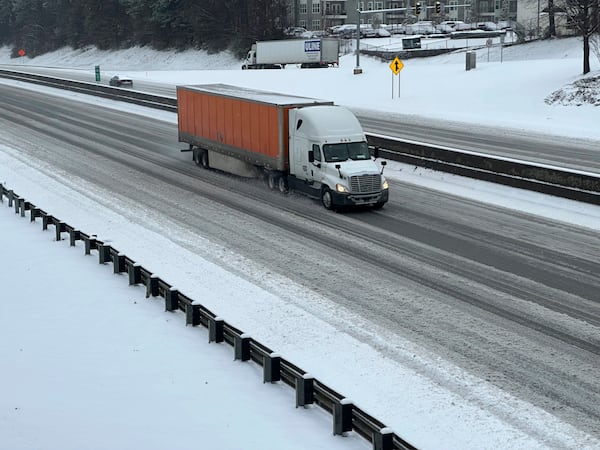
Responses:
[365,184]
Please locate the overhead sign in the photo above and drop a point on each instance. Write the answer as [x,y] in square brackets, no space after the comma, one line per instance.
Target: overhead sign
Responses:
[396,65]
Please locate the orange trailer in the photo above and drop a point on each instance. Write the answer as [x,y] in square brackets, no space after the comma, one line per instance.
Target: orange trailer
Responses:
[246,124]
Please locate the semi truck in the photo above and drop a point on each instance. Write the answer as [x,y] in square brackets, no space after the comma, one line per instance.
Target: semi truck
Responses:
[294,143]
[308,53]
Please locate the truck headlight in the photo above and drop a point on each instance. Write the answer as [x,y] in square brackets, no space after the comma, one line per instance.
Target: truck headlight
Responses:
[341,188]
[384,183]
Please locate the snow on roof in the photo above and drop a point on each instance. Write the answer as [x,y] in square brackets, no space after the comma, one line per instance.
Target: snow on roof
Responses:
[228,90]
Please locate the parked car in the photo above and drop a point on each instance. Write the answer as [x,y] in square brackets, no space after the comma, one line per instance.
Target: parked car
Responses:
[118,81]
[295,31]
[396,28]
[461,26]
[443,28]
[487,26]
[370,32]
[423,27]
[345,31]
[457,25]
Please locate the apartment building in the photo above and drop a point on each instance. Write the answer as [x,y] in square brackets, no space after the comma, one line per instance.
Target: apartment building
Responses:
[320,15]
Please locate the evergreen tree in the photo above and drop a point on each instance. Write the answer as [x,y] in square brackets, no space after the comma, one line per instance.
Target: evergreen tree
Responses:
[39,26]
[7,19]
[105,23]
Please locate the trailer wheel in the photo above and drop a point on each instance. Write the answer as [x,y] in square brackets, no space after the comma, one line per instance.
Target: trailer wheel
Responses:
[326,198]
[273,180]
[196,156]
[282,184]
[204,159]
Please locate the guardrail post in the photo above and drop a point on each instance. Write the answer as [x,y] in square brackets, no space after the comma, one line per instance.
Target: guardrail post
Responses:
[135,274]
[152,286]
[192,314]
[1,193]
[241,347]
[46,219]
[103,253]
[59,227]
[172,300]
[383,439]
[118,263]
[24,207]
[90,244]
[342,416]
[271,368]
[11,197]
[18,202]
[34,212]
[74,235]
[216,329]
[305,390]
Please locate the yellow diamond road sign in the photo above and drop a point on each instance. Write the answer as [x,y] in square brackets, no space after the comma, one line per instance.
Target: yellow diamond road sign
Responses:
[396,65]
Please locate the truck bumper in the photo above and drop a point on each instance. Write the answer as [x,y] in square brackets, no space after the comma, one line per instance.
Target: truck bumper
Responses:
[360,199]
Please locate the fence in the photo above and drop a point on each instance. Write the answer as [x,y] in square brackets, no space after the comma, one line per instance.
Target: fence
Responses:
[347,417]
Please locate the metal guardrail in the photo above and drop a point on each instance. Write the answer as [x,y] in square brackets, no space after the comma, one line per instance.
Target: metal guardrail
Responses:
[347,417]
[545,179]
[554,181]
[98,90]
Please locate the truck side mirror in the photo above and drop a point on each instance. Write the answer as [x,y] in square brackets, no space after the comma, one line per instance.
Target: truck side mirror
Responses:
[311,156]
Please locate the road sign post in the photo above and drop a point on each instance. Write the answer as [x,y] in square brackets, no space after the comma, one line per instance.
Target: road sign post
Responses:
[396,66]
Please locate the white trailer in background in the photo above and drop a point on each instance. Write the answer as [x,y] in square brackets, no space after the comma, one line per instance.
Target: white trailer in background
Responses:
[308,53]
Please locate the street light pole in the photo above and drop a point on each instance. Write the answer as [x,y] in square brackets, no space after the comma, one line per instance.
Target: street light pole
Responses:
[538,20]
[357,69]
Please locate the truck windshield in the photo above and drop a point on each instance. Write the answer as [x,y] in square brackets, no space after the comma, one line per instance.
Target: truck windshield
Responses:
[344,151]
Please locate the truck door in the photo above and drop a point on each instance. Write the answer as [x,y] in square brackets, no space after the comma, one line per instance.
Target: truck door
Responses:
[299,157]
[305,167]
[314,167]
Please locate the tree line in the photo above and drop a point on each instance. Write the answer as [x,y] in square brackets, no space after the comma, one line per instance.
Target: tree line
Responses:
[40,26]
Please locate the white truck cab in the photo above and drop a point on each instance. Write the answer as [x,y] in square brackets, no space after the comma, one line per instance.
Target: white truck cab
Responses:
[330,158]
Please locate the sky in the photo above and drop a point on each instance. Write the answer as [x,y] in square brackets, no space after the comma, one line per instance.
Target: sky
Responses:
[101,387]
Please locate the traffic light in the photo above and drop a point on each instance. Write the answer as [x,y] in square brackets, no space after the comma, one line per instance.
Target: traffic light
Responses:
[418,8]
[438,7]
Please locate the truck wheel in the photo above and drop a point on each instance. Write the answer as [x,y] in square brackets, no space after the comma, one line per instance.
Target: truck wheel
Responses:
[282,185]
[273,180]
[326,198]
[204,159]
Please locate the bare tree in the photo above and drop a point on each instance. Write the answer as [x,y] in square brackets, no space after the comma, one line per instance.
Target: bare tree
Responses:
[551,22]
[584,16]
